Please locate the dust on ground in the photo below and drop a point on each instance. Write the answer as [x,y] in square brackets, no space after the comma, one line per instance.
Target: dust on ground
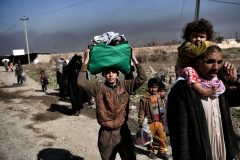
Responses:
[37,126]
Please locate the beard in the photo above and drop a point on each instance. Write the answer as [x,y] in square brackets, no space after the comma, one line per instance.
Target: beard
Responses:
[212,73]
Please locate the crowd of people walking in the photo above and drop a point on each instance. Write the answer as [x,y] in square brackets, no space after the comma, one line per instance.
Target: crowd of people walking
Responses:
[193,111]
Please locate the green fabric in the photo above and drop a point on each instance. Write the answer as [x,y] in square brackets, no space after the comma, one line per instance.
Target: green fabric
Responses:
[103,56]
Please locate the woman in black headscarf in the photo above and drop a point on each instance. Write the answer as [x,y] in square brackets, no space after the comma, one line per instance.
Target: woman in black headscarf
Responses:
[77,96]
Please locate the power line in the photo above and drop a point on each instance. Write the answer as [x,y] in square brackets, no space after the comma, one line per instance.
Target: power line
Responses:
[180,19]
[11,27]
[46,13]
[59,9]
[2,23]
[225,2]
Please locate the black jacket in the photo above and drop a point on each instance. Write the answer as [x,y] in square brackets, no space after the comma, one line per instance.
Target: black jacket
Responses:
[188,127]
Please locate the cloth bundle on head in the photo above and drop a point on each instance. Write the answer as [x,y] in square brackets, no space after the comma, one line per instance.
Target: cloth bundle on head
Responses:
[110,38]
[104,56]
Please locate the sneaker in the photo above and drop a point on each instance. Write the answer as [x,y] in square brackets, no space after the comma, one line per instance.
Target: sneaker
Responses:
[152,156]
[163,156]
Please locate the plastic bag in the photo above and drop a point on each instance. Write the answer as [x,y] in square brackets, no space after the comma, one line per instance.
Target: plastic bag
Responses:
[23,76]
[143,135]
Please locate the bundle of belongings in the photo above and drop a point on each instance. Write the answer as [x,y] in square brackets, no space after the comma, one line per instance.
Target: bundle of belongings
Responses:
[109,50]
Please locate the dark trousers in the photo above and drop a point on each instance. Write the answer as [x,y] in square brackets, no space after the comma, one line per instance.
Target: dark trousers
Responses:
[44,87]
[62,83]
[19,79]
[113,141]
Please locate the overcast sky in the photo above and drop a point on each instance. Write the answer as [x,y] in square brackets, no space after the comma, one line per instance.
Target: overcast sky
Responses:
[69,25]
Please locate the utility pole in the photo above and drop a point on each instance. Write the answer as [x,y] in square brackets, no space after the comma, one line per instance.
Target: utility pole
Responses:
[24,19]
[196,16]
[237,36]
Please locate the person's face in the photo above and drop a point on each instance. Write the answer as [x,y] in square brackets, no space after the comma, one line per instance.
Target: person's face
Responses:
[210,65]
[162,93]
[153,89]
[111,76]
[196,38]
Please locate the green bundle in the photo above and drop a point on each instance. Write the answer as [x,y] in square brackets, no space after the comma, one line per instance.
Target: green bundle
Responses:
[103,56]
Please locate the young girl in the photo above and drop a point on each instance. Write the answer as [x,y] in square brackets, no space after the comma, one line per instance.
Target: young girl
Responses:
[198,36]
[43,80]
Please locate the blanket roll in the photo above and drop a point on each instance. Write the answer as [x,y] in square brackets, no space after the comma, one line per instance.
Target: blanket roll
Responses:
[103,56]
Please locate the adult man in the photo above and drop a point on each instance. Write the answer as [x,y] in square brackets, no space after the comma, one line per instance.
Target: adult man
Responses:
[200,128]
[112,105]
[19,72]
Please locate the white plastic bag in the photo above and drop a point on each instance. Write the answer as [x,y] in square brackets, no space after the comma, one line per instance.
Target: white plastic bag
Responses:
[143,135]
[23,76]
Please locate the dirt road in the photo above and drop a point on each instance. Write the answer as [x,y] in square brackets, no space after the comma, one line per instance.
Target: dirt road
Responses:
[36,126]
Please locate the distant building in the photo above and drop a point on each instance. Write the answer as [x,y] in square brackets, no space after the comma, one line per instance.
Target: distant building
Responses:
[229,41]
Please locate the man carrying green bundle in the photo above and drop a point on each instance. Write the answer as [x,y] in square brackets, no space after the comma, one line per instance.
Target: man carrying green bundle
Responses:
[112,106]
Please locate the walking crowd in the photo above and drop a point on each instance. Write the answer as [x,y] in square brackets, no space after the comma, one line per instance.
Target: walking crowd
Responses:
[193,112]
[19,72]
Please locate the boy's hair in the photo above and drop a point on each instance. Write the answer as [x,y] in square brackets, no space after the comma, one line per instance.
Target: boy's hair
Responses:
[153,82]
[42,71]
[108,69]
[161,86]
[200,26]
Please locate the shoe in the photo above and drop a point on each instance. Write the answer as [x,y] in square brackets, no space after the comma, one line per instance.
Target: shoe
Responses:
[152,156]
[91,102]
[163,156]
[77,113]
[64,99]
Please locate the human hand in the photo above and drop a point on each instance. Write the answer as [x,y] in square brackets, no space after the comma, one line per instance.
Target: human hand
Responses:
[134,59]
[86,56]
[229,72]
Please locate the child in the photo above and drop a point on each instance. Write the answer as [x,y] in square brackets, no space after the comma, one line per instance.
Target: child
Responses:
[198,36]
[43,80]
[19,72]
[152,106]
[162,94]
[5,62]
[11,67]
